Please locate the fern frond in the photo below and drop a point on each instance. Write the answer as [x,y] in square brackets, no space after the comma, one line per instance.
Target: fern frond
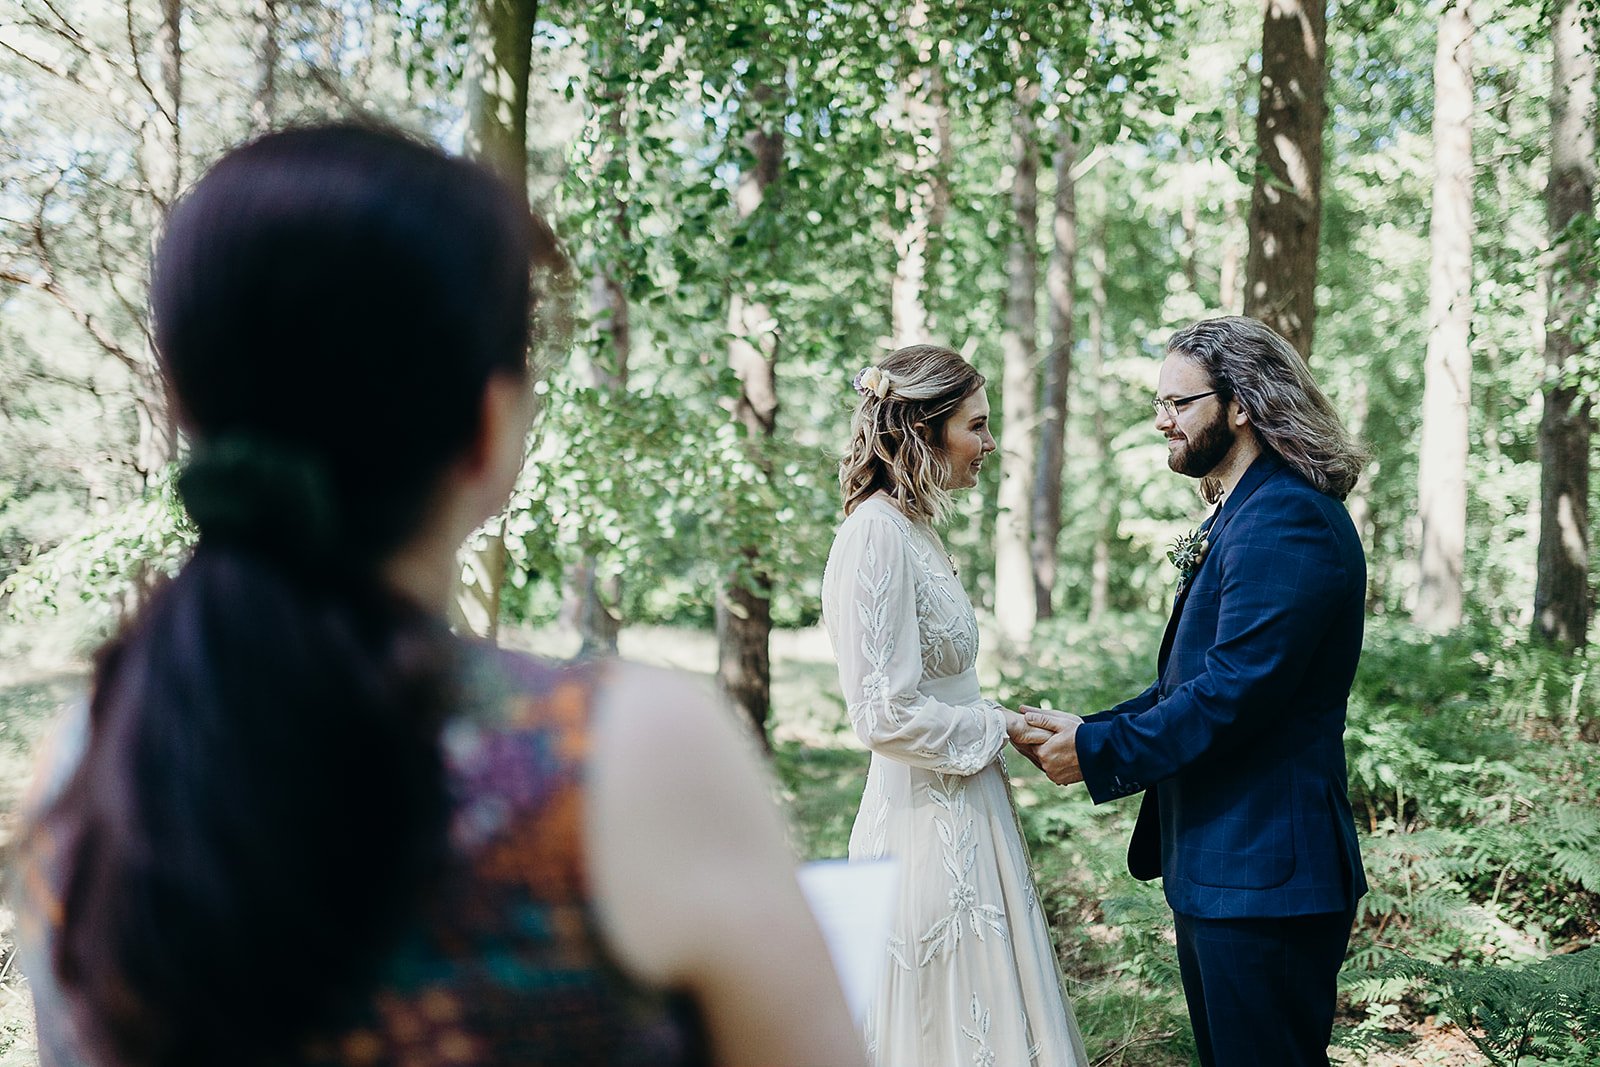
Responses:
[1542,1009]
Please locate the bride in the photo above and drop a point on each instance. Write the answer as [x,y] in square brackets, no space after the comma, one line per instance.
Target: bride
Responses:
[971,975]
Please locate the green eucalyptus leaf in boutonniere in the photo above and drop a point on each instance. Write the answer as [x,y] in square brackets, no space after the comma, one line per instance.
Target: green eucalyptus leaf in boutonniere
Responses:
[1187,553]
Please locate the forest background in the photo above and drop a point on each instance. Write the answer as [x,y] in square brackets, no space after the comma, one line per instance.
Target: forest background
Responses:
[762,196]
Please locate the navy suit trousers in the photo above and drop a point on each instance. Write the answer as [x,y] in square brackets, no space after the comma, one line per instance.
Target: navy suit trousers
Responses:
[1261,991]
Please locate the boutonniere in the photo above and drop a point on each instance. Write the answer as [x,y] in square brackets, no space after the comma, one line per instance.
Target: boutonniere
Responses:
[1187,553]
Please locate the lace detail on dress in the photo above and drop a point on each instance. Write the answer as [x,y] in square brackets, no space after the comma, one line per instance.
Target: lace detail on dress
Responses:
[946,624]
[960,855]
[978,1033]
[882,705]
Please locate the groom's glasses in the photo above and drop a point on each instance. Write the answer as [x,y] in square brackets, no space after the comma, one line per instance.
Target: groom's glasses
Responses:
[1169,408]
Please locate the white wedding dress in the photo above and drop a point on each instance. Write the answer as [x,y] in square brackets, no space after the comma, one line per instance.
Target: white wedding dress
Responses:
[971,976]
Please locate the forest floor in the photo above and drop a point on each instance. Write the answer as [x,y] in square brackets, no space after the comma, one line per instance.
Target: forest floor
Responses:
[821,769]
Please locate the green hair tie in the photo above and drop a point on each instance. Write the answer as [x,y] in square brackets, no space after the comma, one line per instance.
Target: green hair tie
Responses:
[273,497]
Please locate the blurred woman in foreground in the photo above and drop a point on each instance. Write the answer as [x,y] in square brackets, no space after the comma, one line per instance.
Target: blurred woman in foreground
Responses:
[303,823]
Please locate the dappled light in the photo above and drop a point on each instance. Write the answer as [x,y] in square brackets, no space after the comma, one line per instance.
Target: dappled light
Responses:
[753,204]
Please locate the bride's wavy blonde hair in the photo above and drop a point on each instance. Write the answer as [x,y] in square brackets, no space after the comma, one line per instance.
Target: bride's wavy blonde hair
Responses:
[897,435]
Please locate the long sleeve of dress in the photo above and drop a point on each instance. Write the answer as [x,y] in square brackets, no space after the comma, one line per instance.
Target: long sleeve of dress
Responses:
[879,648]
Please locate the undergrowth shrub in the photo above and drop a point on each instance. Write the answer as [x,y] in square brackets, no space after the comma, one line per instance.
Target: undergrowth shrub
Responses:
[1546,1012]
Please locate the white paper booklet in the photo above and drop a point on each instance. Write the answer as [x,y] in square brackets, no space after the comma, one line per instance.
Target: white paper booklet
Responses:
[854,904]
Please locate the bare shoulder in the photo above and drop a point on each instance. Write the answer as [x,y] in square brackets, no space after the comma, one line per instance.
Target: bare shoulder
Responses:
[656,714]
[677,802]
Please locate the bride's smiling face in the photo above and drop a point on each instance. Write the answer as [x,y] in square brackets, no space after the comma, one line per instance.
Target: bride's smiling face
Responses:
[967,440]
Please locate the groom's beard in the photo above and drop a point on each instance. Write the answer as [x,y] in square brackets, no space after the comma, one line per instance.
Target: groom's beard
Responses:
[1199,453]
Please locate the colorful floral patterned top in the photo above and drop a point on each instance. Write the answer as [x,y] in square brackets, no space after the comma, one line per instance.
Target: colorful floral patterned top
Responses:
[508,966]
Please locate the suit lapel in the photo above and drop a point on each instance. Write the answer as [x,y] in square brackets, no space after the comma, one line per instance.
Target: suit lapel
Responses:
[1178,599]
[1252,479]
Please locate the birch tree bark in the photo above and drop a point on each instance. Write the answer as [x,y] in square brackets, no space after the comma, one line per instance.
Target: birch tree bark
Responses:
[1286,203]
[923,192]
[500,51]
[1447,392]
[1562,604]
[1061,279]
[1015,607]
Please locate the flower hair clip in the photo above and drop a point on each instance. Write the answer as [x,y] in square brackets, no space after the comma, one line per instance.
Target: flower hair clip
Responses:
[870,381]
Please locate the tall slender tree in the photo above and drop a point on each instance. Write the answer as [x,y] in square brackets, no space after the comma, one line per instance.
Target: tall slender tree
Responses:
[1286,203]
[1447,393]
[599,596]
[744,608]
[1061,279]
[1105,529]
[1014,604]
[161,160]
[500,54]
[165,156]
[1230,286]
[923,192]
[1562,603]
[264,108]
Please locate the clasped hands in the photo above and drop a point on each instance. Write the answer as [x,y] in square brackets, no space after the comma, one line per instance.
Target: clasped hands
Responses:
[1049,740]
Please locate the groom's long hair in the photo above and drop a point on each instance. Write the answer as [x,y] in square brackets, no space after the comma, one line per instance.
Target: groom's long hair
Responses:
[1291,417]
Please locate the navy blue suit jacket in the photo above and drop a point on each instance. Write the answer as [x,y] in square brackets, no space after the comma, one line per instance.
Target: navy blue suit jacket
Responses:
[1239,744]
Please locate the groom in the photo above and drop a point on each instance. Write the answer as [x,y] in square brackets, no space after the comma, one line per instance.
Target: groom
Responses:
[1238,745]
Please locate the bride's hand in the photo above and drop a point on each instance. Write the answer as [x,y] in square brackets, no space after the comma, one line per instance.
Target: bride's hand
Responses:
[1022,735]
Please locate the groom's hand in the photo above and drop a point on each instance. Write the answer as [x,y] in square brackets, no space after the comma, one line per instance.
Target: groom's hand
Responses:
[1057,755]
[1024,738]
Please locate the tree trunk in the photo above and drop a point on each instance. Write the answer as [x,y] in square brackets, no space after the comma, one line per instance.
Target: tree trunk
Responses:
[1015,608]
[1060,283]
[162,160]
[598,624]
[1100,569]
[499,55]
[1359,502]
[1230,292]
[923,191]
[744,609]
[1189,217]
[264,108]
[1562,605]
[1286,204]
[600,598]
[168,127]
[1447,394]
